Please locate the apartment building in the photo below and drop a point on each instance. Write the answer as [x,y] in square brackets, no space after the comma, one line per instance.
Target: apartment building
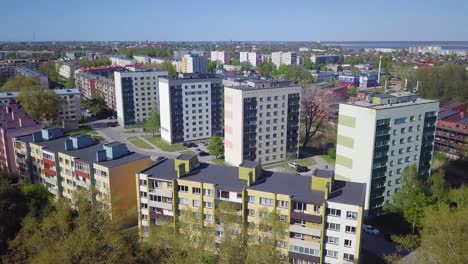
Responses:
[66,69]
[452,129]
[191,107]
[136,94]
[251,57]
[221,56]
[323,76]
[121,61]
[283,58]
[68,109]
[193,63]
[326,59]
[89,84]
[261,122]
[379,137]
[65,164]
[323,215]
[14,122]
[142,59]
[28,72]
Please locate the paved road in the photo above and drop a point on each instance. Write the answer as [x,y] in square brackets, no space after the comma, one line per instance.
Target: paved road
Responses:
[377,244]
[120,134]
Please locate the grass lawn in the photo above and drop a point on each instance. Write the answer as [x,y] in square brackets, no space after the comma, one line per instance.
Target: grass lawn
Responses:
[188,152]
[161,144]
[327,158]
[306,162]
[140,143]
[81,130]
[219,161]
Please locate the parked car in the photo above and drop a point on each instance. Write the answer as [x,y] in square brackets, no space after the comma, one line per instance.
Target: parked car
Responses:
[203,143]
[301,169]
[189,145]
[112,124]
[371,230]
[198,149]
[203,153]
[293,164]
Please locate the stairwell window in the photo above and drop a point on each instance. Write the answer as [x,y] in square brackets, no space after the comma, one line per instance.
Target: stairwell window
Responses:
[333,212]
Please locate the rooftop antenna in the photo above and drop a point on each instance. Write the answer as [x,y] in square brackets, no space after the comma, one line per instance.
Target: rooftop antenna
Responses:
[380,66]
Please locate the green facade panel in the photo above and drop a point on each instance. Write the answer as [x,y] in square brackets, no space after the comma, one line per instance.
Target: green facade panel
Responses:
[345,141]
[344,161]
[348,121]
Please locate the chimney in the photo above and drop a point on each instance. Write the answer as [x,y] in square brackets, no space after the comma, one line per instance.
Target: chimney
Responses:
[462,115]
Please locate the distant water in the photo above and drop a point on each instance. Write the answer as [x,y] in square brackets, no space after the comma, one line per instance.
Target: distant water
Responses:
[398,46]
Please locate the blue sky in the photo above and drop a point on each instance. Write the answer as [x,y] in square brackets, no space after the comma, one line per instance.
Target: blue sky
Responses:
[200,20]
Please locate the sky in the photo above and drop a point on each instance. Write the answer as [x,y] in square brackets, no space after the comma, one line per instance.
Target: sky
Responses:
[223,20]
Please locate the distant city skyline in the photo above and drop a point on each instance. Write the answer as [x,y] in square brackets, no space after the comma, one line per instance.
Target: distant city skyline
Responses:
[295,20]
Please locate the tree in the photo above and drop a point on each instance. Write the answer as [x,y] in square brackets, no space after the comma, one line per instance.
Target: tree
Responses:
[83,234]
[308,64]
[352,91]
[444,237]
[39,102]
[16,83]
[216,146]
[313,113]
[332,153]
[264,69]
[167,65]
[104,61]
[70,83]
[339,68]
[49,68]
[353,60]
[153,122]
[439,187]
[211,66]
[246,66]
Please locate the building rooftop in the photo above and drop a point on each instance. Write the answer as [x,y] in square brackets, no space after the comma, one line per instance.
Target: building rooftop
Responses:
[296,186]
[393,100]
[447,113]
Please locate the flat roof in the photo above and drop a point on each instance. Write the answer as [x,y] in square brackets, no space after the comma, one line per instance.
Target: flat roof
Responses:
[298,187]
[446,113]
[393,105]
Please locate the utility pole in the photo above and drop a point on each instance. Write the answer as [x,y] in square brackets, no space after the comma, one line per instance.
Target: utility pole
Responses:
[380,67]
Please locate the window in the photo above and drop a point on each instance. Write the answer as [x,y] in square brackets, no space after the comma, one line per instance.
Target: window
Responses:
[208,204]
[333,212]
[332,253]
[209,217]
[183,201]
[251,199]
[183,188]
[196,203]
[282,218]
[266,201]
[332,240]
[351,215]
[400,120]
[347,243]
[333,226]
[349,257]
[264,215]
[208,192]
[195,190]
[282,204]
[281,244]
[223,194]
[350,229]
[300,206]
[251,212]
[239,195]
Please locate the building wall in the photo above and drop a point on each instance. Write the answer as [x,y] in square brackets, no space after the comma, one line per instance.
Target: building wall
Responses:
[356,139]
[234,126]
[165,110]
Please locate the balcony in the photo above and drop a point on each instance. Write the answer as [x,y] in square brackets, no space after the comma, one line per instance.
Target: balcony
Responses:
[304,243]
[305,230]
[83,184]
[160,192]
[237,206]
[309,258]
[316,219]
[82,174]
[48,162]
[167,206]
[49,172]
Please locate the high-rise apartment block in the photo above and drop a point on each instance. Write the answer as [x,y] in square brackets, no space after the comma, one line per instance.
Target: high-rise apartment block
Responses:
[325,59]
[323,215]
[136,94]
[193,63]
[65,164]
[261,122]
[221,56]
[191,107]
[377,138]
[251,57]
[283,58]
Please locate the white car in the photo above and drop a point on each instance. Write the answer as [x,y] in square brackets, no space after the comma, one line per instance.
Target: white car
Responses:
[293,165]
[371,230]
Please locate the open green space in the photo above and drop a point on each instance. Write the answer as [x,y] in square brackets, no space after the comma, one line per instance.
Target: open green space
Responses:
[140,143]
[164,146]
[219,161]
[81,130]
[327,158]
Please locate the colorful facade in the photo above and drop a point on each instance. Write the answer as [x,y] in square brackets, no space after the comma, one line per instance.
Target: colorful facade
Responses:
[323,215]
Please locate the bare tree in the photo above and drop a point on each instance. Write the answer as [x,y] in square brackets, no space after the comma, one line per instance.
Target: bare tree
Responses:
[317,105]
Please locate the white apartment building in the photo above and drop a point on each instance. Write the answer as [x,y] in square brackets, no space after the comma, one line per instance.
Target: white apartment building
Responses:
[142,59]
[66,69]
[136,94]
[283,58]
[193,63]
[190,107]
[220,56]
[261,122]
[121,61]
[251,57]
[379,137]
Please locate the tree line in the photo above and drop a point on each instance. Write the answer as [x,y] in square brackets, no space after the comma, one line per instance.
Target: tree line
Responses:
[148,51]
[37,229]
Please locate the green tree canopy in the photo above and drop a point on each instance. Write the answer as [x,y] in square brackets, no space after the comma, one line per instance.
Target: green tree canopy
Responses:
[153,122]
[70,83]
[17,83]
[166,53]
[216,146]
[211,66]
[167,65]
[104,61]
[39,102]
[49,68]
[264,69]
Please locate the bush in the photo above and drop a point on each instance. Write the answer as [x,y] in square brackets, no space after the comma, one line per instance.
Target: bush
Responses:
[332,153]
